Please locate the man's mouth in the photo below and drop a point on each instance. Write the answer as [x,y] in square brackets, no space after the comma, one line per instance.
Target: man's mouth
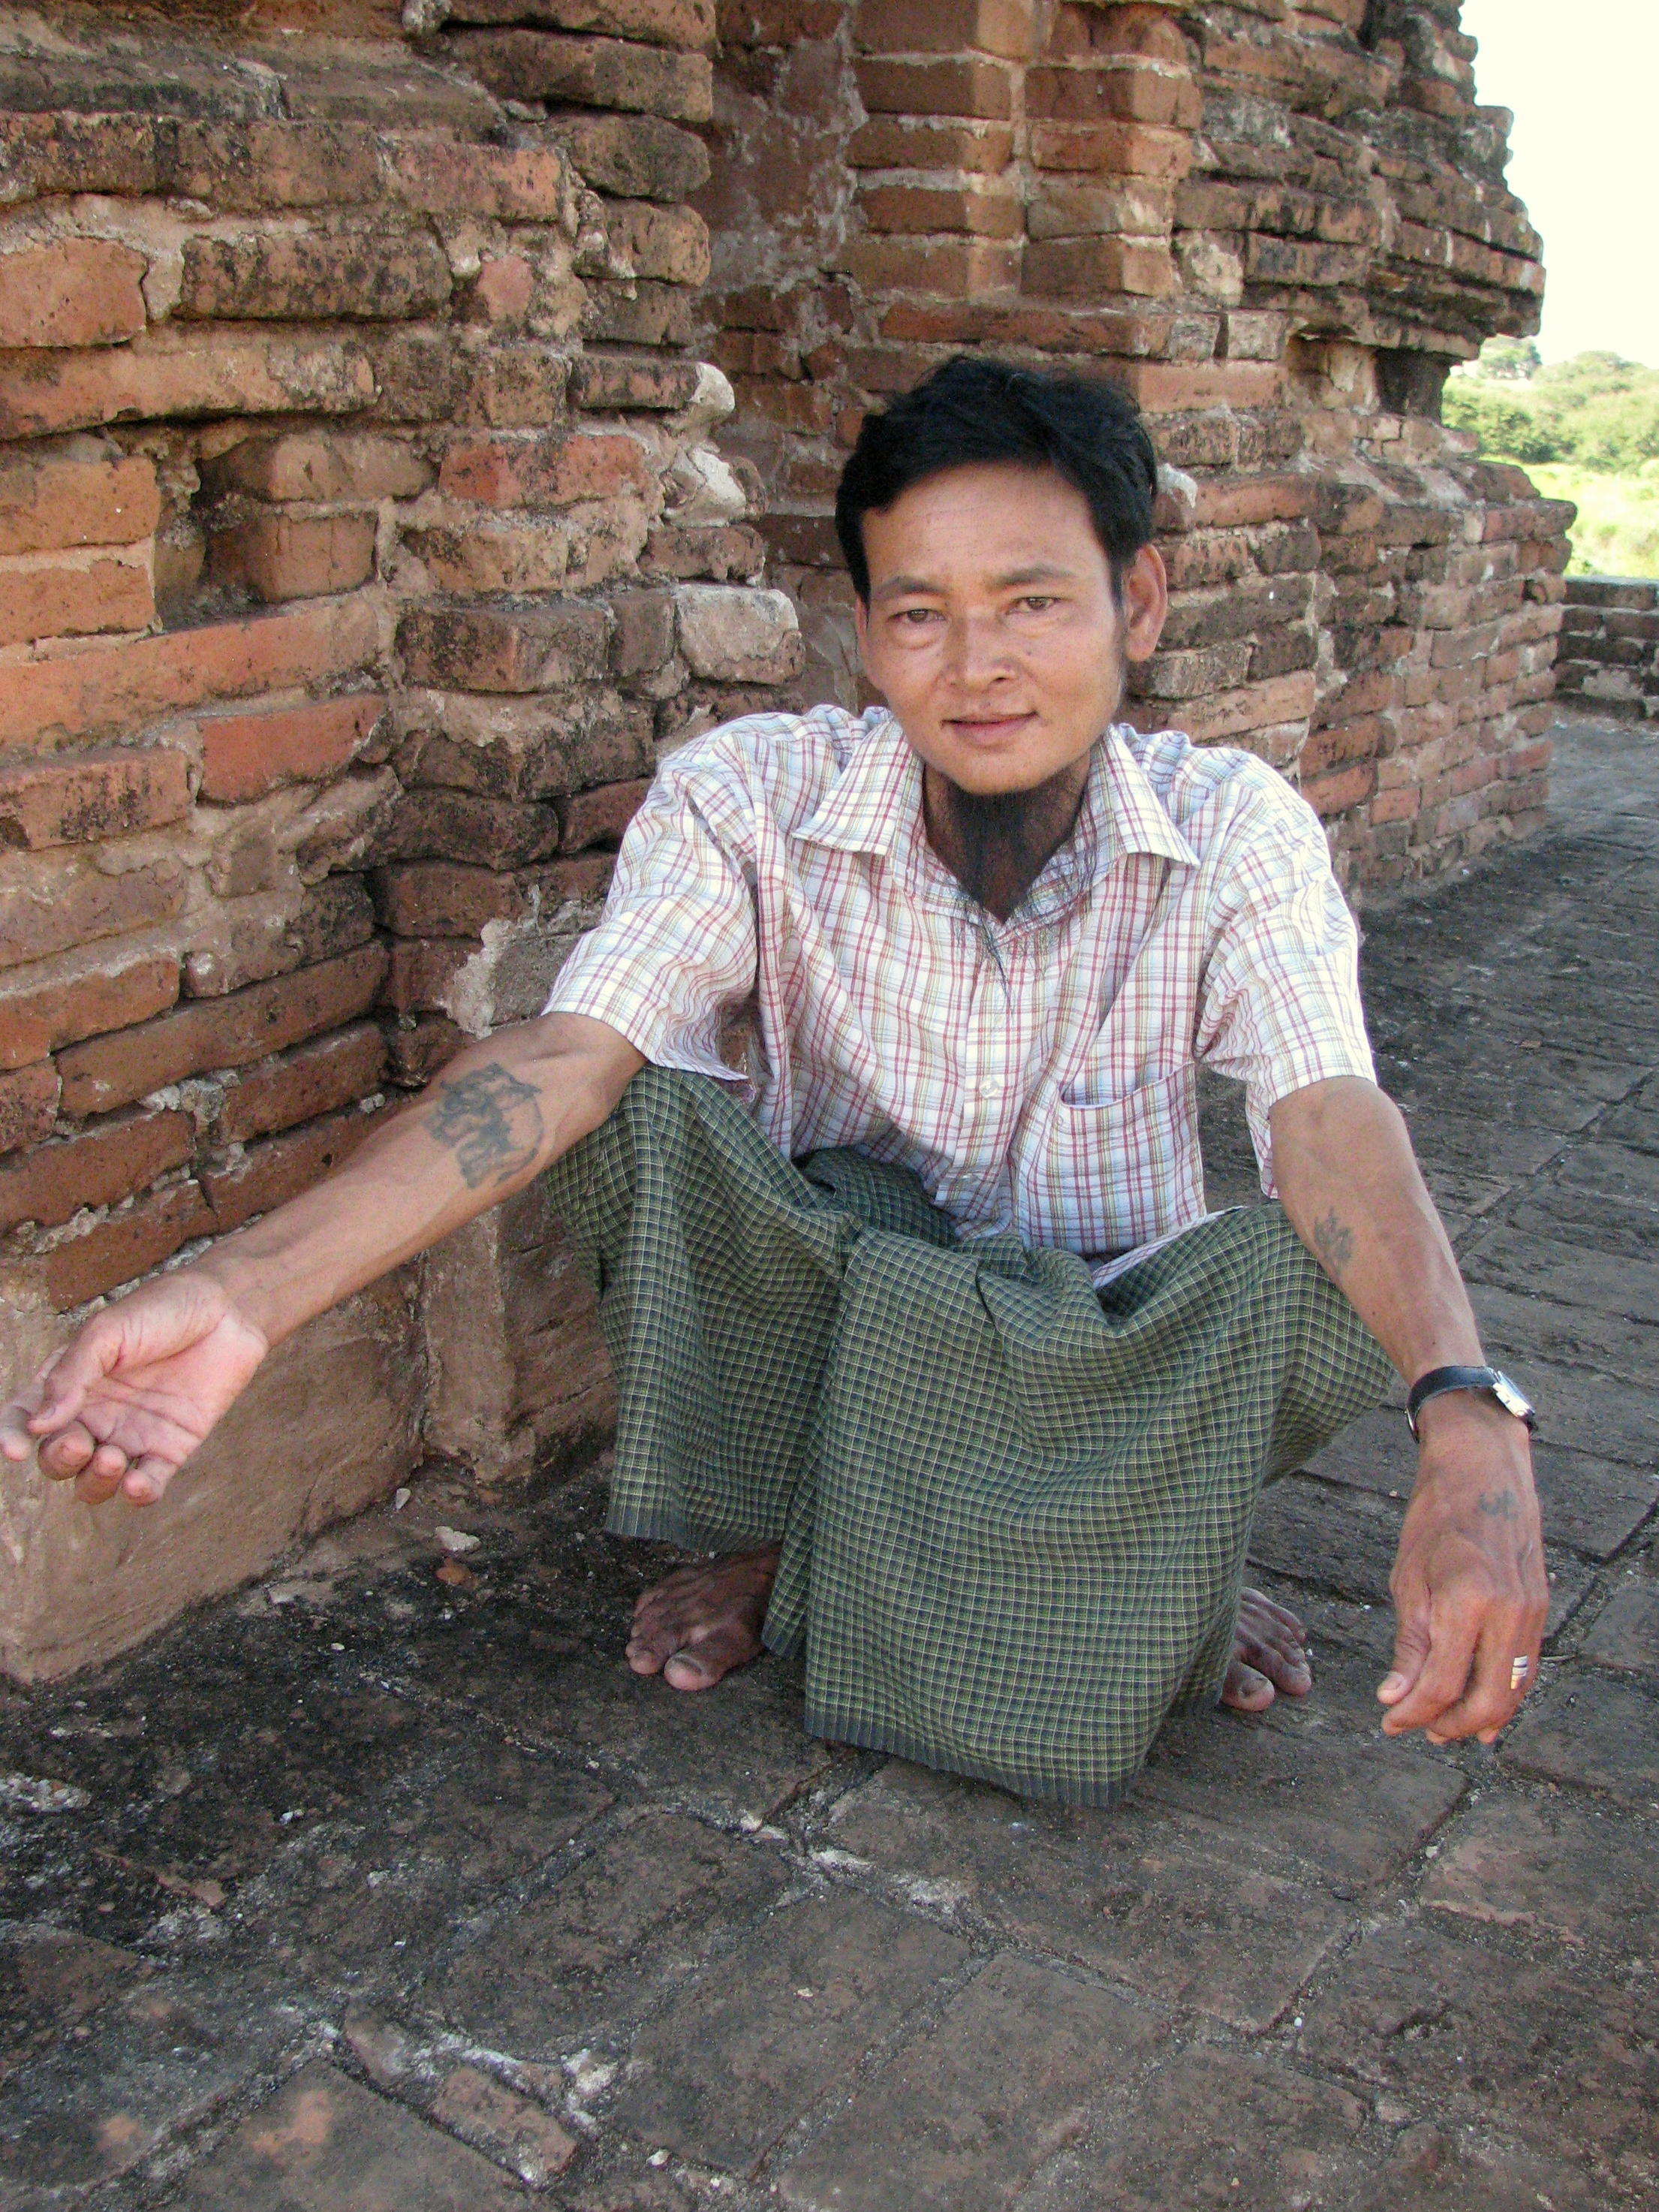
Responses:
[988,729]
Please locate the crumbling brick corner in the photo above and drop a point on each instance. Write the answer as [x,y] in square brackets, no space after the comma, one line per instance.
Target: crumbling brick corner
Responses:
[398,413]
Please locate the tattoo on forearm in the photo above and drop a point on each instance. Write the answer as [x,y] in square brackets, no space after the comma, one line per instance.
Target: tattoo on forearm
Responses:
[1498,1504]
[1333,1241]
[490,1121]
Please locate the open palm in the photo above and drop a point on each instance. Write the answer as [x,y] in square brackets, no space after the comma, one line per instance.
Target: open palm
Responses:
[137,1391]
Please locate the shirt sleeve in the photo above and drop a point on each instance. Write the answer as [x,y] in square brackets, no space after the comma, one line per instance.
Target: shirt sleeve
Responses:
[676,950]
[1279,1005]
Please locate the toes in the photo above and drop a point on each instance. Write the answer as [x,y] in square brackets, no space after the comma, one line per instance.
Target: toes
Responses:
[1245,1690]
[701,1664]
[1259,1611]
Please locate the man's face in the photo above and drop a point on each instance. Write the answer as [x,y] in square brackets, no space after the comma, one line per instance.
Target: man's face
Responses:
[991,630]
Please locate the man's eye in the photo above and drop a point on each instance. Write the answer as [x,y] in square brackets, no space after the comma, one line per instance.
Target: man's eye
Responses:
[915,617]
[1037,603]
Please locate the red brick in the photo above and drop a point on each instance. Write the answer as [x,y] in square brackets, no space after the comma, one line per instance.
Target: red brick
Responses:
[76,292]
[1082,268]
[607,383]
[419,1047]
[458,825]
[294,556]
[1230,502]
[960,86]
[422,969]
[537,470]
[249,940]
[444,898]
[245,756]
[228,1032]
[912,209]
[588,73]
[54,901]
[516,386]
[1399,805]
[280,1168]
[81,492]
[636,155]
[1005,28]
[74,594]
[1129,96]
[1344,787]
[257,165]
[687,24]
[375,276]
[920,264]
[321,465]
[42,1013]
[101,1166]
[29,1105]
[1164,388]
[296,1086]
[171,372]
[1119,149]
[86,797]
[598,817]
[129,1245]
[904,142]
[495,648]
[440,176]
[110,690]
[503,290]
[1148,33]
[586,876]
[1361,740]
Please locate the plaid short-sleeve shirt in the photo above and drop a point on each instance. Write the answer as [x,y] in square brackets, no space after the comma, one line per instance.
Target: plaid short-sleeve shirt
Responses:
[1038,1075]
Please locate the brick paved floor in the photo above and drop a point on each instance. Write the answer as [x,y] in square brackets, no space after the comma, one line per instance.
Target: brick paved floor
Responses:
[367,1889]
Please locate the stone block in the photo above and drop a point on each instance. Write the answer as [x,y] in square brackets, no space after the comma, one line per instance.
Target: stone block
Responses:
[1569,1867]
[633,1920]
[326,2144]
[738,636]
[371,276]
[180,372]
[510,2129]
[783,2021]
[1587,1728]
[1625,1637]
[962,2118]
[522,64]
[51,1980]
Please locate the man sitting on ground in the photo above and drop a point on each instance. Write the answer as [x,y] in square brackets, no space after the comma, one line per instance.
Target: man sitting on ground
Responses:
[872,1103]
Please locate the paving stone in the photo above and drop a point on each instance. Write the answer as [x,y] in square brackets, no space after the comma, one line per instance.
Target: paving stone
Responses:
[512,2129]
[1563,1211]
[1569,1866]
[1523,1328]
[50,1980]
[1595,1505]
[1345,1539]
[1433,2172]
[1125,1891]
[1626,1638]
[1541,2048]
[370,1899]
[1214,2127]
[1543,1267]
[1473,1144]
[963,2116]
[578,1963]
[1354,1812]
[767,2033]
[1634,1122]
[1545,1090]
[1593,1729]
[160,2061]
[326,2145]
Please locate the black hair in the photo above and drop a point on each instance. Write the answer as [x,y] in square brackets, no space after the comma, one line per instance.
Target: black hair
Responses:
[972,409]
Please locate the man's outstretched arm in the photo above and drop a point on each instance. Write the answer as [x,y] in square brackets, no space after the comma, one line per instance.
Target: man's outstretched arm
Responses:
[143,1381]
[1469,1587]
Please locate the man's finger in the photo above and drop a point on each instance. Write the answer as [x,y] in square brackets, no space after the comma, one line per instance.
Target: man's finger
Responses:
[1411,1649]
[1492,1696]
[1444,1673]
[66,1454]
[64,1380]
[146,1479]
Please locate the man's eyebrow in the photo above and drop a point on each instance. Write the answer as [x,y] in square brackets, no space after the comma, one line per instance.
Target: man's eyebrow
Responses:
[1037,572]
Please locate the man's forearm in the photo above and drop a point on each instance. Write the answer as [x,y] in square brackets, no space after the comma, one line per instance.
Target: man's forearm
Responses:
[496,1117]
[1349,1183]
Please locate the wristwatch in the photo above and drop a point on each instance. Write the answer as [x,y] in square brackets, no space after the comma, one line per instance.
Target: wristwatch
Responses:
[1467,1378]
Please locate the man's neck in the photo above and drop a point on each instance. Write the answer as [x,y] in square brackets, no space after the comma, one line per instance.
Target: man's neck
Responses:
[997,845]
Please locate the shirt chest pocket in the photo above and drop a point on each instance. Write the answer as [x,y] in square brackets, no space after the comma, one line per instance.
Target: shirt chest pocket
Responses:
[1113,1170]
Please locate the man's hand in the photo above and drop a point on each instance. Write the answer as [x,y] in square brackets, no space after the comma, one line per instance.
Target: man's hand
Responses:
[135,1393]
[1468,1581]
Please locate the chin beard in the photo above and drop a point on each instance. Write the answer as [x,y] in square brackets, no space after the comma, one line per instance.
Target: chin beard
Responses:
[1000,840]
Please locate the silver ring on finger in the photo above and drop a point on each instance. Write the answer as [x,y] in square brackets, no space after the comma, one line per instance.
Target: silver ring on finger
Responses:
[1520,1668]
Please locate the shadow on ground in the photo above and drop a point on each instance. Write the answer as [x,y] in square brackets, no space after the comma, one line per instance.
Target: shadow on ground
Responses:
[372,1888]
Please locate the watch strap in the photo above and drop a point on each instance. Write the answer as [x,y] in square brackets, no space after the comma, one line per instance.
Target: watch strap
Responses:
[1441,1379]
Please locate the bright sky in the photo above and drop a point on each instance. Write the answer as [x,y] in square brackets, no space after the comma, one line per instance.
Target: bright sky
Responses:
[1583,80]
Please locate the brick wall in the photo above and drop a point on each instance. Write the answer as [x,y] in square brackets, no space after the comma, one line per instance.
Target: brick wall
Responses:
[1610,646]
[1278,227]
[362,545]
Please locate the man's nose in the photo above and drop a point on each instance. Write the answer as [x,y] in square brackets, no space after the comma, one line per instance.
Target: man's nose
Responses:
[978,650]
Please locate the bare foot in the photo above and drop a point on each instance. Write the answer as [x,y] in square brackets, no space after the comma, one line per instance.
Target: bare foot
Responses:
[1269,1655]
[704,1621]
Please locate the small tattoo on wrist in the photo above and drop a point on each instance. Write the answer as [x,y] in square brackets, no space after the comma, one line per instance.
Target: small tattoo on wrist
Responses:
[1498,1504]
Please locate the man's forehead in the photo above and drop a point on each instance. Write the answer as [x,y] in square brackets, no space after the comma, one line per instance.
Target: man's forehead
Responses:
[902,583]
[992,521]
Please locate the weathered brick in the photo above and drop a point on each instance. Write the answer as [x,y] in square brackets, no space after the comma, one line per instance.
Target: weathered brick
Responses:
[78,492]
[279,1168]
[598,817]
[668,244]
[53,900]
[1344,787]
[915,209]
[421,971]
[511,184]
[496,648]
[369,275]
[75,594]
[418,1046]
[607,382]
[459,825]
[963,85]
[1145,149]
[75,292]
[321,465]
[180,371]
[516,386]
[127,1245]
[112,1071]
[107,691]
[294,556]
[42,1009]
[1130,96]
[906,142]
[640,155]
[1003,27]
[519,64]
[1081,268]
[538,469]
[86,797]
[101,1166]
[245,756]
[250,164]
[688,24]
[444,898]
[297,1085]
[28,1104]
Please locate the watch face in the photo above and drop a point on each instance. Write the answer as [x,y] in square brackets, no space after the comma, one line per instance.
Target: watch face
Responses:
[1509,1397]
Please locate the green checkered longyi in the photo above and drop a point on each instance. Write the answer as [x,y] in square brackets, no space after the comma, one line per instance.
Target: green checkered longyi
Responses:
[1014,1508]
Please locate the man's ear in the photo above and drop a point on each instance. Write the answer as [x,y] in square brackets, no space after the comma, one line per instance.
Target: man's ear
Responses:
[1145,603]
